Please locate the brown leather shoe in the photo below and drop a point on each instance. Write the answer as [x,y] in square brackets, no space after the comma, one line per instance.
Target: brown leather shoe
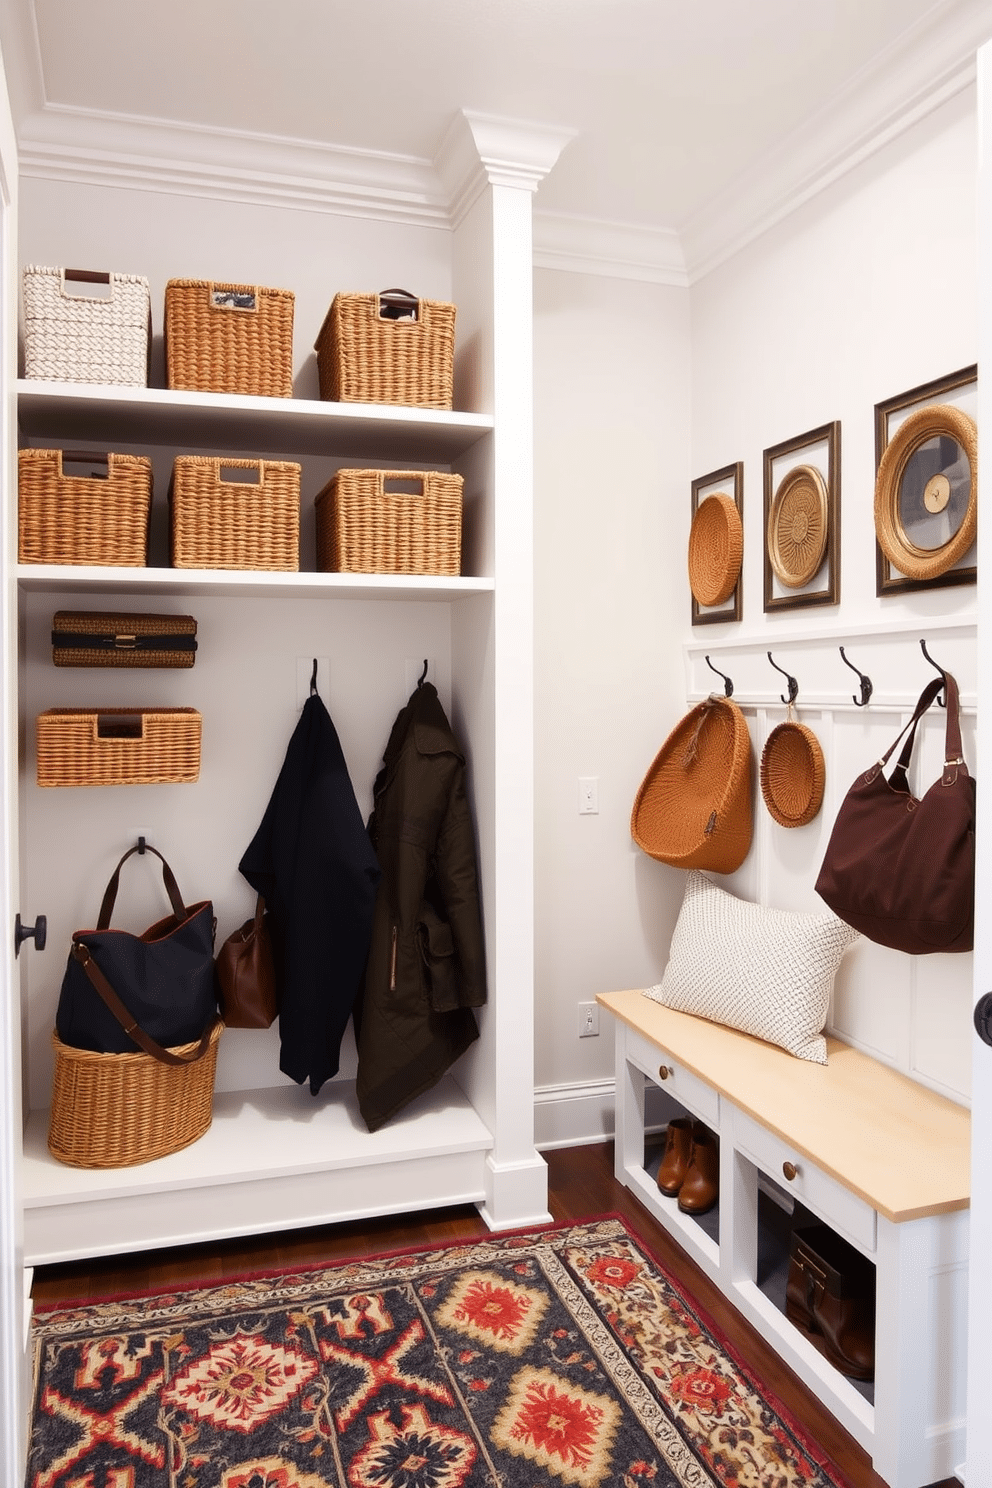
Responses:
[701,1185]
[678,1143]
[831,1297]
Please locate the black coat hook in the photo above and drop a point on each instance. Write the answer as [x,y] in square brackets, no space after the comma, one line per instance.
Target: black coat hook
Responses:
[313,679]
[866,688]
[943,697]
[728,686]
[793,684]
[423,676]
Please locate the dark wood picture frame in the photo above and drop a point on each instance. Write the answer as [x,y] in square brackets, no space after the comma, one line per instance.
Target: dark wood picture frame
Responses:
[888,579]
[731,478]
[829,470]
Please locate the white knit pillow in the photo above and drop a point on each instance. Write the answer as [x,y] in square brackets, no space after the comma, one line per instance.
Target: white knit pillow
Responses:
[767,972]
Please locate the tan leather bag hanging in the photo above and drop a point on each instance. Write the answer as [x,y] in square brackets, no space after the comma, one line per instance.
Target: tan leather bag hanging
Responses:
[902,870]
[247,989]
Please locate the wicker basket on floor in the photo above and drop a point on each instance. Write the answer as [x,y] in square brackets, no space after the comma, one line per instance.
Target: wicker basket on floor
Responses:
[83,519]
[118,746]
[117,1110]
[366,355]
[77,333]
[229,338]
[366,525]
[245,524]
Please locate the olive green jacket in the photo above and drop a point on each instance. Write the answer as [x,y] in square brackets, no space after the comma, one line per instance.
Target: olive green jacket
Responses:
[426,968]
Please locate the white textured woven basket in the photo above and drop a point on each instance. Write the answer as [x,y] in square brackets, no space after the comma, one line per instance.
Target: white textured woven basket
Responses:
[86,327]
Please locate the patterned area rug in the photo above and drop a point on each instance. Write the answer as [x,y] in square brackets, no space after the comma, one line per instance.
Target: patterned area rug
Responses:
[562,1356]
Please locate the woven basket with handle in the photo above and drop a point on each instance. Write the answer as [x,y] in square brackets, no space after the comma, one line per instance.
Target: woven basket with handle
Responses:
[390,521]
[229,338]
[116,1110]
[219,519]
[387,348]
[83,519]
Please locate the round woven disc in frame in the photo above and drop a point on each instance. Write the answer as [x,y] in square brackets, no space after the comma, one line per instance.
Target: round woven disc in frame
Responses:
[792,774]
[797,526]
[926,492]
[716,549]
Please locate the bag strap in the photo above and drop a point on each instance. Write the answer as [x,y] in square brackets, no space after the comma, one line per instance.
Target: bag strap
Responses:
[168,878]
[137,1035]
[953,756]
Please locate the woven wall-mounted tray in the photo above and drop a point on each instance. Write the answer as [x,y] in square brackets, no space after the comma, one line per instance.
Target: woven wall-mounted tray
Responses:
[798,526]
[96,638]
[716,549]
[792,774]
[118,746]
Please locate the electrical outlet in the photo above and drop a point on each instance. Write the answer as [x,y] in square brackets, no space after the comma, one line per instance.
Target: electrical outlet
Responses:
[588,795]
[588,1020]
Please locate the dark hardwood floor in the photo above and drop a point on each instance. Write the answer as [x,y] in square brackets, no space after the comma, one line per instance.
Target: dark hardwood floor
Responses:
[581,1184]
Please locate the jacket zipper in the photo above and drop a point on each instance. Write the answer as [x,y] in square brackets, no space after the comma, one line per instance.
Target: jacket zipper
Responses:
[392,964]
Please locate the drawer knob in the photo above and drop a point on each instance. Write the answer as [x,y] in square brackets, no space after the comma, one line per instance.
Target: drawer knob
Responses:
[664,1070]
[790,1170]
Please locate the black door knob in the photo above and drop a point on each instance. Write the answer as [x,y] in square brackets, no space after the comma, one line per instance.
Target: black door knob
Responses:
[38,931]
[983,1018]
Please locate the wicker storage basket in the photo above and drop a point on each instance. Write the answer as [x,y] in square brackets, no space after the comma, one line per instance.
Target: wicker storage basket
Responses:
[81,518]
[74,333]
[248,524]
[364,527]
[366,355]
[229,338]
[118,746]
[117,1110]
[693,809]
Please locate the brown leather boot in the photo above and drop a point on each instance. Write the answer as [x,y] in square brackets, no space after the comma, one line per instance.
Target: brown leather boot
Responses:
[678,1142]
[701,1185]
[830,1296]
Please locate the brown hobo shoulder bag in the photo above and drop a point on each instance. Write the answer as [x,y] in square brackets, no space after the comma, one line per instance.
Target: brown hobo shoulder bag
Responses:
[902,870]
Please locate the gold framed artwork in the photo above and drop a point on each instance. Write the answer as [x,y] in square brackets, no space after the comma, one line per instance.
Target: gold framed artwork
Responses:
[926,485]
[716,545]
[801,479]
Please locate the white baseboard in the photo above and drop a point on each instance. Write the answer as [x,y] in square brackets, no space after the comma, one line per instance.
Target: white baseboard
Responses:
[573,1115]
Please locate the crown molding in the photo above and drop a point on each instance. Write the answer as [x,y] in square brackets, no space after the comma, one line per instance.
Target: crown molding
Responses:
[930,64]
[479,150]
[92,148]
[616,250]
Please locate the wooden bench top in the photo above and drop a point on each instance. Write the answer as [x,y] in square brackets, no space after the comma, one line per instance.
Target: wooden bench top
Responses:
[903,1148]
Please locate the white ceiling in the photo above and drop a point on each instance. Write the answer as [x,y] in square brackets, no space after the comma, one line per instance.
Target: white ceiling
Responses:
[677,106]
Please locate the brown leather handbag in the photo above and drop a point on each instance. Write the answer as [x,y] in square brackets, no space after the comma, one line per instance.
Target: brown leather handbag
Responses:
[902,870]
[246,976]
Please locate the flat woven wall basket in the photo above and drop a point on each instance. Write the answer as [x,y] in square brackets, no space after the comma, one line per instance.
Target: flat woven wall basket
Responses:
[365,354]
[792,774]
[390,521]
[98,638]
[86,326]
[117,1110]
[216,521]
[118,746]
[693,809]
[83,519]
[229,338]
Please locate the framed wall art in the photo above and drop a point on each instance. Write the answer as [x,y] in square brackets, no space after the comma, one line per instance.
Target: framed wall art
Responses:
[802,520]
[926,485]
[716,545]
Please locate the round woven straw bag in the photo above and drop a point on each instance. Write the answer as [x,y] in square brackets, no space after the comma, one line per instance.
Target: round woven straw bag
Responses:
[693,809]
[792,773]
[716,550]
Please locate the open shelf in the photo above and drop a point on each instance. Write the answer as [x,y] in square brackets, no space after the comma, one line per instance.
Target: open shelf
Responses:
[279,1153]
[67,578]
[215,421]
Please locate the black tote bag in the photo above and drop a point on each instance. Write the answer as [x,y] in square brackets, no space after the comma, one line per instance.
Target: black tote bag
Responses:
[162,981]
